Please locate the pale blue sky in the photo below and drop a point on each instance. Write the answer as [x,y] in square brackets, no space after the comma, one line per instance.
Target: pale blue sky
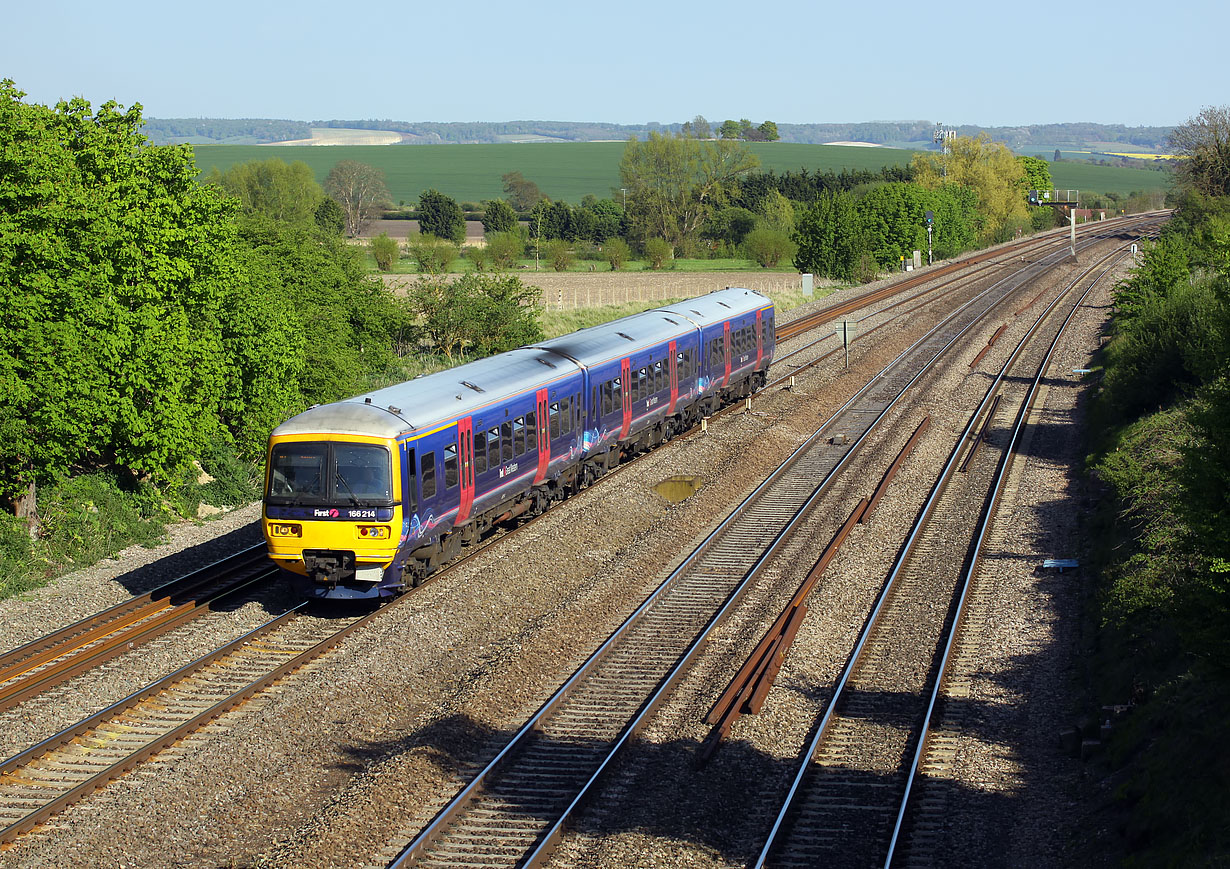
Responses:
[791,61]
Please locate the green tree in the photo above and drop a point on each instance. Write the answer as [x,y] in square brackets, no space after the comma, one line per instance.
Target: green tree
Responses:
[329,216]
[673,183]
[385,250]
[768,132]
[1203,146]
[114,270]
[729,225]
[830,238]
[359,189]
[987,168]
[498,216]
[479,313]
[523,195]
[441,216]
[281,190]
[730,129]
[1037,173]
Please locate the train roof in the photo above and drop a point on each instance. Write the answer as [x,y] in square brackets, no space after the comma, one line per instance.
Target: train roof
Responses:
[718,306]
[433,399]
[618,338]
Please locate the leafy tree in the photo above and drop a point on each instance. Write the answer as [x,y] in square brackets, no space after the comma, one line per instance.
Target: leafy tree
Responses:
[441,216]
[523,195]
[359,189]
[281,190]
[830,239]
[657,252]
[1203,144]
[480,313]
[385,250]
[1037,173]
[768,132]
[505,248]
[776,212]
[674,182]
[617,253]
[697,128]
[729,225]
[480,257]
[329,216]
[730,129]
[769,246]
[114,268]
[498,216]
[598,219]
[552,220]
[987,168]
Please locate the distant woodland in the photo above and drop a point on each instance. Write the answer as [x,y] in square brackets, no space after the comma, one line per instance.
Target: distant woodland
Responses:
[902,134]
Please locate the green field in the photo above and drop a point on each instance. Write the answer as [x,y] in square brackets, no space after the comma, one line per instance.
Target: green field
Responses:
[564,171]
[569,171]
[1107,179]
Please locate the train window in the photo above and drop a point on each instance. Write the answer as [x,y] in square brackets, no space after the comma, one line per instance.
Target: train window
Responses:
[565,415]
[531,431]
[450,466]
[519,436]
[642,385]
[297,470]
[493,447]
[617,394]
[480,452]
[553,415]
[506,437]
[659,377]
[606,398]
[427,473]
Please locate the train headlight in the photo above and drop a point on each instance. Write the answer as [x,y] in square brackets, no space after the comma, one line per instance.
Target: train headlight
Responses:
[373,532]
[283,529]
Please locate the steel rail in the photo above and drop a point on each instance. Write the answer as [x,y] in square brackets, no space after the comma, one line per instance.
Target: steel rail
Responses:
[903,557]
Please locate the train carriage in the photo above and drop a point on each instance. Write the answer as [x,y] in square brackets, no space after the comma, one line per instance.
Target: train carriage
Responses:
[366,497]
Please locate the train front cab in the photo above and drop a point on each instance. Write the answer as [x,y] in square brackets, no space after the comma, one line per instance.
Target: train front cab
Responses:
[333,510]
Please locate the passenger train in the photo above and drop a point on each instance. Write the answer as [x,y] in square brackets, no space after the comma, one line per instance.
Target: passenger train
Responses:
[366,497]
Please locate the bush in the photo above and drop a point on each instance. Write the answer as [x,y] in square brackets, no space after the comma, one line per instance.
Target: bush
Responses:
[560,254]
[385,250]
[768,247]
[657,252]
[617,253]
[435,256]
[480,257]
[505,249]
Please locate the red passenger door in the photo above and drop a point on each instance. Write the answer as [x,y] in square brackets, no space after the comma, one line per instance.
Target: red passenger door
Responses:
[625,376]
[674,376]
[759,338]
[465,455]
[544,437]
[726,351]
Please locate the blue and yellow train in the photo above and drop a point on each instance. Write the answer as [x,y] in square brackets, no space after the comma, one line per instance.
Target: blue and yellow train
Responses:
[366,497]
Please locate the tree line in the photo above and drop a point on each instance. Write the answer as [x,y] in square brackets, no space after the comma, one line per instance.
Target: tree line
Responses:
[1159,431]
[157,327]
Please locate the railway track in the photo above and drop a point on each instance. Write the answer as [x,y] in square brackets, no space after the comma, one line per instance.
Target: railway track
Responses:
[59,656]
[847,803]
[514,809]
[47,777]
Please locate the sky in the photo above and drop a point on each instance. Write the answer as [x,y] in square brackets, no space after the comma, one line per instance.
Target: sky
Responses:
[790,61]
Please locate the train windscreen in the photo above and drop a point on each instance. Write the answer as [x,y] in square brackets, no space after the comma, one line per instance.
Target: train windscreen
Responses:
[330,473]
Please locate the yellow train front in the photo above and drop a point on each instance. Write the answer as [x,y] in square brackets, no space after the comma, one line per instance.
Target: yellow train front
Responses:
[333,500]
